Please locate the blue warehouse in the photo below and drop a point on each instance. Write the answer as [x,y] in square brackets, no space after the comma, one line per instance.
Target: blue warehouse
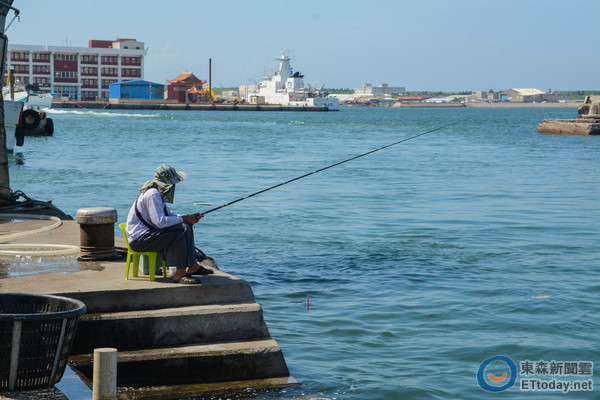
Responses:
[136,90]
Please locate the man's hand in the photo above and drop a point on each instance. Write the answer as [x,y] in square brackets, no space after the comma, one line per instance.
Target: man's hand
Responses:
[191,219]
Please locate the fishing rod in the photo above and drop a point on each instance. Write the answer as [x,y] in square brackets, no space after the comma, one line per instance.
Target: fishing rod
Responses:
[331,166]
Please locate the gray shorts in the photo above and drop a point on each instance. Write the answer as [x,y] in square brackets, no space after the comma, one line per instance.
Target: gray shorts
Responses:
[175,242]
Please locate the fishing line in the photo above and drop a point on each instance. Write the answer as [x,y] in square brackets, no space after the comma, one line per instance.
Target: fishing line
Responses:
[331,166]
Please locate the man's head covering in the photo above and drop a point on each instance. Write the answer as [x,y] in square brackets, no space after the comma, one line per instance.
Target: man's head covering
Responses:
[165,178]
[167,174]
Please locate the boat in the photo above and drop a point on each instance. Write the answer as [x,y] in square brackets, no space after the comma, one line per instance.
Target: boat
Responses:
[34,119]
[30,95]
[287,88]
[12,115]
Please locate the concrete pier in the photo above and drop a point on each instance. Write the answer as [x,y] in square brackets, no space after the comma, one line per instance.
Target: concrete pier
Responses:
[176,339]
[586,123]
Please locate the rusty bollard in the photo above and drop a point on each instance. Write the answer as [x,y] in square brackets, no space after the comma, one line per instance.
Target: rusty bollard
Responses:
[97,233]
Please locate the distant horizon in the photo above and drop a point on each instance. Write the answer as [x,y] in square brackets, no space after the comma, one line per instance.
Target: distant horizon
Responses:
[463,45]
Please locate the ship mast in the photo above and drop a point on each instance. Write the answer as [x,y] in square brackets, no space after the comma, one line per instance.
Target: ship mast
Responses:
[285,70]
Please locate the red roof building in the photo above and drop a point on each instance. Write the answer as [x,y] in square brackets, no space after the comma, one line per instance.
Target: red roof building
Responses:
[180,87]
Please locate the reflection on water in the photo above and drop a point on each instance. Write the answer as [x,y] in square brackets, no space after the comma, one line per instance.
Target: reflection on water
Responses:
[17,158]
[73,387]
[11,267]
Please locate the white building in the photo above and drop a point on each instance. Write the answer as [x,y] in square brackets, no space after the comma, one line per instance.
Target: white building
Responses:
[79,73]
[380,90]
[440,99]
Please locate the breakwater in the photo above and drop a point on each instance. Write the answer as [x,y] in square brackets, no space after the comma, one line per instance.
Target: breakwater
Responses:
[163,106]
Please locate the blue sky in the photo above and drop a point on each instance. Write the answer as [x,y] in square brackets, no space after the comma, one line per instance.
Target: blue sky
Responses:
[448,45]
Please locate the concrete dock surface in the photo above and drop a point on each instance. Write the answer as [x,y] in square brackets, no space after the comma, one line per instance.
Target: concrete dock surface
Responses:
[93,276]
[215,327]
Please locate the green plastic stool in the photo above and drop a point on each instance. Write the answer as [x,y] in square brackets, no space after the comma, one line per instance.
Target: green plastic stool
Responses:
[135,256]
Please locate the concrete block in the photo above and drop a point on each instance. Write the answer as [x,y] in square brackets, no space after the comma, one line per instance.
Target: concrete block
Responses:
[194,364]
[170,327]
[215,289]
[580,126]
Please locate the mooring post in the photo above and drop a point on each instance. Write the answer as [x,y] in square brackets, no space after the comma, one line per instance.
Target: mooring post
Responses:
[97,233]
[104,386]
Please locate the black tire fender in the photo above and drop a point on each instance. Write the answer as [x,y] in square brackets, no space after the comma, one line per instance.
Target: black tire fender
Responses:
[49,127]
[19,136]
[30,119]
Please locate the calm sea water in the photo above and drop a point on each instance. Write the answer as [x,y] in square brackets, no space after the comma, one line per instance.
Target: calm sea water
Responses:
[420,261]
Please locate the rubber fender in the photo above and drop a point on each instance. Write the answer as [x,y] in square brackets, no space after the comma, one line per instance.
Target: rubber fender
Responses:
[30,119]
[19,136]
[49,127]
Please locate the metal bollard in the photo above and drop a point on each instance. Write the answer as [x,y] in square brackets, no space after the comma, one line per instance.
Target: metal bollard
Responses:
[97,233]
[104,386]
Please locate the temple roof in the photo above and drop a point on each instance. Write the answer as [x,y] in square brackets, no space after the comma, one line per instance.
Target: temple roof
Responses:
[187,78]
[194,90]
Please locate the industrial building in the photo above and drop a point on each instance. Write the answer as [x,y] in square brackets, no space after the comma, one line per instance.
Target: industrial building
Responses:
[522,95]
[137,90]
[533,95]
[77,73]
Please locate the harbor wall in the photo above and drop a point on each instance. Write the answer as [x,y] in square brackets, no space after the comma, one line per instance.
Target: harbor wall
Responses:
[97,105]
[101,105]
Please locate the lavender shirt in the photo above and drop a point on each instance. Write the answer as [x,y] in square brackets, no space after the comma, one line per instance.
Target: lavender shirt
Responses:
[152,208]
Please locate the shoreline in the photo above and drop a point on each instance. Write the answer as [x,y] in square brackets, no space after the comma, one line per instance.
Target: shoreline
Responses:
[526,105]
[97,105]
[489,105]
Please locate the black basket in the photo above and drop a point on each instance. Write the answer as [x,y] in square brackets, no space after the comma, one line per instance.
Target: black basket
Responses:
[36,332]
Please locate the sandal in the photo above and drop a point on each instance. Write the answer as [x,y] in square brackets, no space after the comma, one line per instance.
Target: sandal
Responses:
[203,271]
[187,280]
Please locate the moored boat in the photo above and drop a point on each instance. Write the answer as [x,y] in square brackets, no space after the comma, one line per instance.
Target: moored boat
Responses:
[12,114]
[30,96]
